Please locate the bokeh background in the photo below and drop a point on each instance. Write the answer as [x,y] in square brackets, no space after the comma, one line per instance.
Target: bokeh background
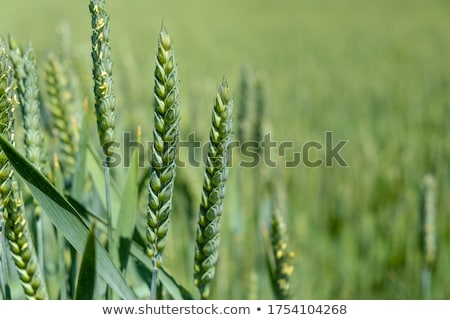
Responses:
[375,73]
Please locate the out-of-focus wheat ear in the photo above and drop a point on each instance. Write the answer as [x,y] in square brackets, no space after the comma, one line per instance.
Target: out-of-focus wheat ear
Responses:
[428,236]
[60,100]
[244,104]
[282,257]
[16,227]
[165,146]
[428,232]
[213,192]
[260,113]
[66,55]
[102,75]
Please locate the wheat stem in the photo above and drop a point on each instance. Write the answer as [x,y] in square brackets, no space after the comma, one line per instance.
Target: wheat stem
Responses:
[104,96]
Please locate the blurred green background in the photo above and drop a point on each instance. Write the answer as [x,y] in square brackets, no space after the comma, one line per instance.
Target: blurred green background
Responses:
[374,73]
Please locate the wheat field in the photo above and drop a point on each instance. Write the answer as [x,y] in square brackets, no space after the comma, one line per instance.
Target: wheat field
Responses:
[374,76]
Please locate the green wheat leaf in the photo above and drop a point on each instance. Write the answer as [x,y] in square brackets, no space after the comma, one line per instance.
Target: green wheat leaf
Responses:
[65,217]
[87,274]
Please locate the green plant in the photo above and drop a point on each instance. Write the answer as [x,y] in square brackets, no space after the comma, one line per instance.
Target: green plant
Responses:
[164,150]
[428,234]
[16,226]
[26,76]
[60,100]
[211,206]
[279,257]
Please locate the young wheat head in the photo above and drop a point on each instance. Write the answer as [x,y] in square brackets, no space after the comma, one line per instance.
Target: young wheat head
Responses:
[165,140]
[213,192]
[102,74]
[16,227]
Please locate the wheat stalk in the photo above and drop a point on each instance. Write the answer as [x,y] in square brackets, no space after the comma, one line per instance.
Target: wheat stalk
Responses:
[164,150]
[16,227]
[213,192]
[104,97]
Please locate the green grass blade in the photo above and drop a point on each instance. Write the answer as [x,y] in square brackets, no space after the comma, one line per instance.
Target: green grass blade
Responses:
[65,217]
[86,276]
[127,212]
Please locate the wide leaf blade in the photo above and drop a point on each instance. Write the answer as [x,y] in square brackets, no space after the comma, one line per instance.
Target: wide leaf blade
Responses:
[65,217]
[87,274]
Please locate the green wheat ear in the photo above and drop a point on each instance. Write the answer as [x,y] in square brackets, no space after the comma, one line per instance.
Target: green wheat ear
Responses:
[102,73]
[244,106]
[428,233]
[60,101]
[428,238]
[165,137]
[213,192]
[283,264]
[25,72]
[16,227]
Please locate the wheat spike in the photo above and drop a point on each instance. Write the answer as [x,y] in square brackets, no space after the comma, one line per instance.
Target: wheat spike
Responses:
[283,267]
[16,227]
[102,73]
[165,140]
[213,192]
[60,101]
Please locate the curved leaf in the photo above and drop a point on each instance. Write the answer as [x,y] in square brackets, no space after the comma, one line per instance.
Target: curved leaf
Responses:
[87,273]
[65,217]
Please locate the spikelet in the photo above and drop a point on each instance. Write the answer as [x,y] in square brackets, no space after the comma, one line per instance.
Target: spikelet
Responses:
[213,192]
[243,110]
[102,74]
[26,76]
[428,237]
[60,101]
[283,257]
[165,140]
[16,227]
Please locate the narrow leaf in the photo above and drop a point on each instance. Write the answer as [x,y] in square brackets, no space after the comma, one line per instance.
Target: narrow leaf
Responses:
[87,273]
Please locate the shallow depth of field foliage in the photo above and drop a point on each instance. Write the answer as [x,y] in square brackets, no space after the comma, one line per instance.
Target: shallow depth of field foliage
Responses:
[376,74]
